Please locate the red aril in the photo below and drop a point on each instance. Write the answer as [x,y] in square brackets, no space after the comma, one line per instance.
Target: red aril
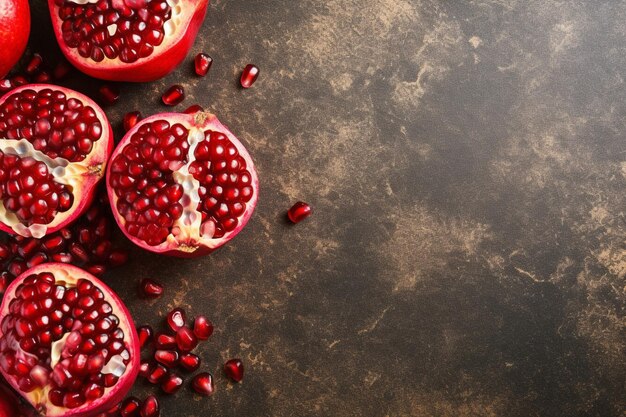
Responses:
[171,383]
[67,343]
[174,95]
[145,335]
[194,108]
[249,75]
[202,64]
[130,407]
[165,341]
[202,328]
[233,369]
[186,340]
[176,319]
[125,40]
[14,31]
[167,358]
[151,288]
[203,384]
[144,369]
[34,64]
[181,184]
[157,374]
[299,212]
[54,149]
[150,407]
[189,362]
[109,94]
[131,119]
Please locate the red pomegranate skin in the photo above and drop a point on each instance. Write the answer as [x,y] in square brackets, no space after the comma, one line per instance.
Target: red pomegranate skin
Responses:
[14,32]
[165,58]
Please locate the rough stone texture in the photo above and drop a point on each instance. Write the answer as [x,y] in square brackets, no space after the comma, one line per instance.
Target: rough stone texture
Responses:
[466,163]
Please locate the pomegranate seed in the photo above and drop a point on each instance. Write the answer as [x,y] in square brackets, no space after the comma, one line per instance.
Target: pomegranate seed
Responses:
[19,80]
[61,70]
[34,64]
[176,319]
[174,95]
[165,341]
[202,64]
[145,335]
[109,94]
[131,119]
[151,289]
[150,407]
[190,362]
[171,383]
[144,369]
[168,358]
[42,77]
[186,340]
[5,85]
[157,374]
[202,328]
[234,369]
[117,258]
[249,75]
[193,109]
[203,384]
[130,407]
[299,212]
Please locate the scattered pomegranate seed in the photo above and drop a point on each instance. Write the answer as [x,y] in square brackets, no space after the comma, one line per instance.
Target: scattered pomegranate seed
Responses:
[144,369]
[299,212]
[150,407]
[167,358]
[61,70]
[145,335]
[203,384]
[5,85]
[131,119]
[202,64]
[19,80]
[151,289]
[202,328]
[176,319]
[171,383]
[109,94]
[234,369]
[165,341]
[157,374]
[186,340]
[190,362]
[174,95]
[130,407]
[34,64]
[249,75]
[193,109]
[42,77]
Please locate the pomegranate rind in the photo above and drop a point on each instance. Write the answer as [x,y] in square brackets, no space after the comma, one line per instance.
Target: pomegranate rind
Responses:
[93,166]
[114,395]
[202,246]
[14,32]
[165,58]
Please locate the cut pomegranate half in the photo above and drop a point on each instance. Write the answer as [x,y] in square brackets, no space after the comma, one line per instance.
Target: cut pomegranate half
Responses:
[54,145]
[67,343]
[124,40]
[181,184]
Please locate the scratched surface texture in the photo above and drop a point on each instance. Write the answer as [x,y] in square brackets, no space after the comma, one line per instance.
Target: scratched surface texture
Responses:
[466,161]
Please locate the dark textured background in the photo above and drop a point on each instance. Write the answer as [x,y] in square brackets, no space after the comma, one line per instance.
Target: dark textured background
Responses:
[466,163]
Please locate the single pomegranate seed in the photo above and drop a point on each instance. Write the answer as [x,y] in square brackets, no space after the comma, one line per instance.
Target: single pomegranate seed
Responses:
[61,70]
[131,119]
[34,64]
[168,358]
[145,335]
[176,319]
[150,407]
[190,362]
[193,109]
[5,85]
[157,374]
[19,80]
[151,289]
[249,75]
[203,384]
[130,407]
[165,341]
[233,369]
[43,77]
[186,340]
[144,369]
[202,328]
[117,258]
[174,95]
[203,64]
[109,94]
[171,383]
[299,212]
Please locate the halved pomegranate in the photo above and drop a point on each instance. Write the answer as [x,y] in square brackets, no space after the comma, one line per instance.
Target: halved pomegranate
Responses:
[68,344]
[126,40]
[181,184]
[54,145]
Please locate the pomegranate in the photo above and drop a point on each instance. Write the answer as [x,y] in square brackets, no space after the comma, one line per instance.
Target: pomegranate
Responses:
[181,184]
[54,150]
[125,40]
[14,32]
[68,344]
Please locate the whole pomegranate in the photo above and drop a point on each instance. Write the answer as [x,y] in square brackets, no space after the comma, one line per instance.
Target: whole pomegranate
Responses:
[126,40]
[54,145]
[181,184]
[68,344]
[14,31]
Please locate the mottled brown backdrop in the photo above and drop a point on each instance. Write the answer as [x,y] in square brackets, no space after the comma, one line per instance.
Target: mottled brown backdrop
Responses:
[466,161]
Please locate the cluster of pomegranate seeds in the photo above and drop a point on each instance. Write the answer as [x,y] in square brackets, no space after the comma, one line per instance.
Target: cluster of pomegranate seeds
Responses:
[57,125]
[29,190]
[36,71]
[173,95]
[202,64]
[93,354]
[86,243]
[109,94]
[233,369]
[131,119]
[97,30]
[299,212]
[151,288]
[249,75]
